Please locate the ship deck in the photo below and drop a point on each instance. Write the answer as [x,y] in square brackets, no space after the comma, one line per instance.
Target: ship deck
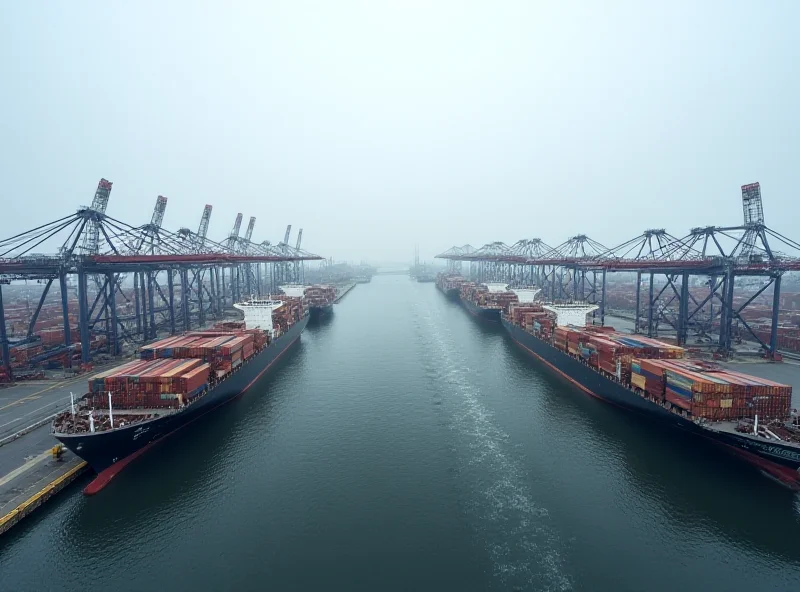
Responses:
[788,435]
[66,425]
[730,427]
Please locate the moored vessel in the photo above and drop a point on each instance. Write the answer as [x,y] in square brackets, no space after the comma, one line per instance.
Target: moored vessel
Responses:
[487,301]
[319,299]
[175,381]
[450,285]
[749,416]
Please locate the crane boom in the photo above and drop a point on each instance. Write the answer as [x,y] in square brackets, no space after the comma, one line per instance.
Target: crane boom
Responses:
[249,233]
[202,230]
[234,236]
[100,200]
[286,236]
[299,239]
[99,203]
[158,212]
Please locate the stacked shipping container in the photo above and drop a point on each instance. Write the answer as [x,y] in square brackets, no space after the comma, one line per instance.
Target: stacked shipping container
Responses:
[712,392]
[447,282]
[222,350]
[287,315]
[318,296]
[605,349]
[150,384]
[471,291]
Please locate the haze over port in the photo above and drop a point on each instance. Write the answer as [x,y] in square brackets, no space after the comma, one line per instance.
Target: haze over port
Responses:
[377,126]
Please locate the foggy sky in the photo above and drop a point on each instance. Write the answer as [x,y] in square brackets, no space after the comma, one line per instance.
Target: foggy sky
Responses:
[377,125]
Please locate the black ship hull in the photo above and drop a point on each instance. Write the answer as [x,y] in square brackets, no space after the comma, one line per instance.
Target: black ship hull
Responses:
[778,461]
[486,314]
[317,312]
[108,452]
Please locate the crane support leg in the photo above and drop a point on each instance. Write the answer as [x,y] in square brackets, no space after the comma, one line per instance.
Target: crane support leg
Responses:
[200,312]
[39,307]
[603,301]
[776,302]
[171,294]
[683,311]
[143,298]
[638,301]
[83,314]
[224,290]
[185,298]
[212,298]
[151,305]
[137,305]
[113,337]
[62,284]
[723,312]
[729,306]
[650,306]
[3,336]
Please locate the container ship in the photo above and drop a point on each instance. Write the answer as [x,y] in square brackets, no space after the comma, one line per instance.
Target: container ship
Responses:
[320,299]
[487,301]
[450,285]
[175,381]
[749,416]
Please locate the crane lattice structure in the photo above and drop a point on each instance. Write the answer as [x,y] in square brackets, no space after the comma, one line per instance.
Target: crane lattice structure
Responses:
[180,280]
[455,256]
[717,256]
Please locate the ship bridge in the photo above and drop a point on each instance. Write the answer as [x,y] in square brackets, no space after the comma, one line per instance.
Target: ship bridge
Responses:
[293,290]
[526,295]
[497,286]
[571,314]
[258,313]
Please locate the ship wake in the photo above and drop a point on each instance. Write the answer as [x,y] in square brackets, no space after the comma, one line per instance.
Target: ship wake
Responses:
[515,530]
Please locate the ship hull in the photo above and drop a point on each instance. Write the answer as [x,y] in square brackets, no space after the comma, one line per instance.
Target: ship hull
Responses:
[108,452]
[317,312]
[779,462]
[486,314]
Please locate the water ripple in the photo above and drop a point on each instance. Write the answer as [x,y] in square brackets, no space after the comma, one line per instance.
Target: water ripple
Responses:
[522,545]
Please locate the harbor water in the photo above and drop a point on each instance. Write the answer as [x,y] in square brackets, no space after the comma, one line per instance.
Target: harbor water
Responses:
[404,446]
